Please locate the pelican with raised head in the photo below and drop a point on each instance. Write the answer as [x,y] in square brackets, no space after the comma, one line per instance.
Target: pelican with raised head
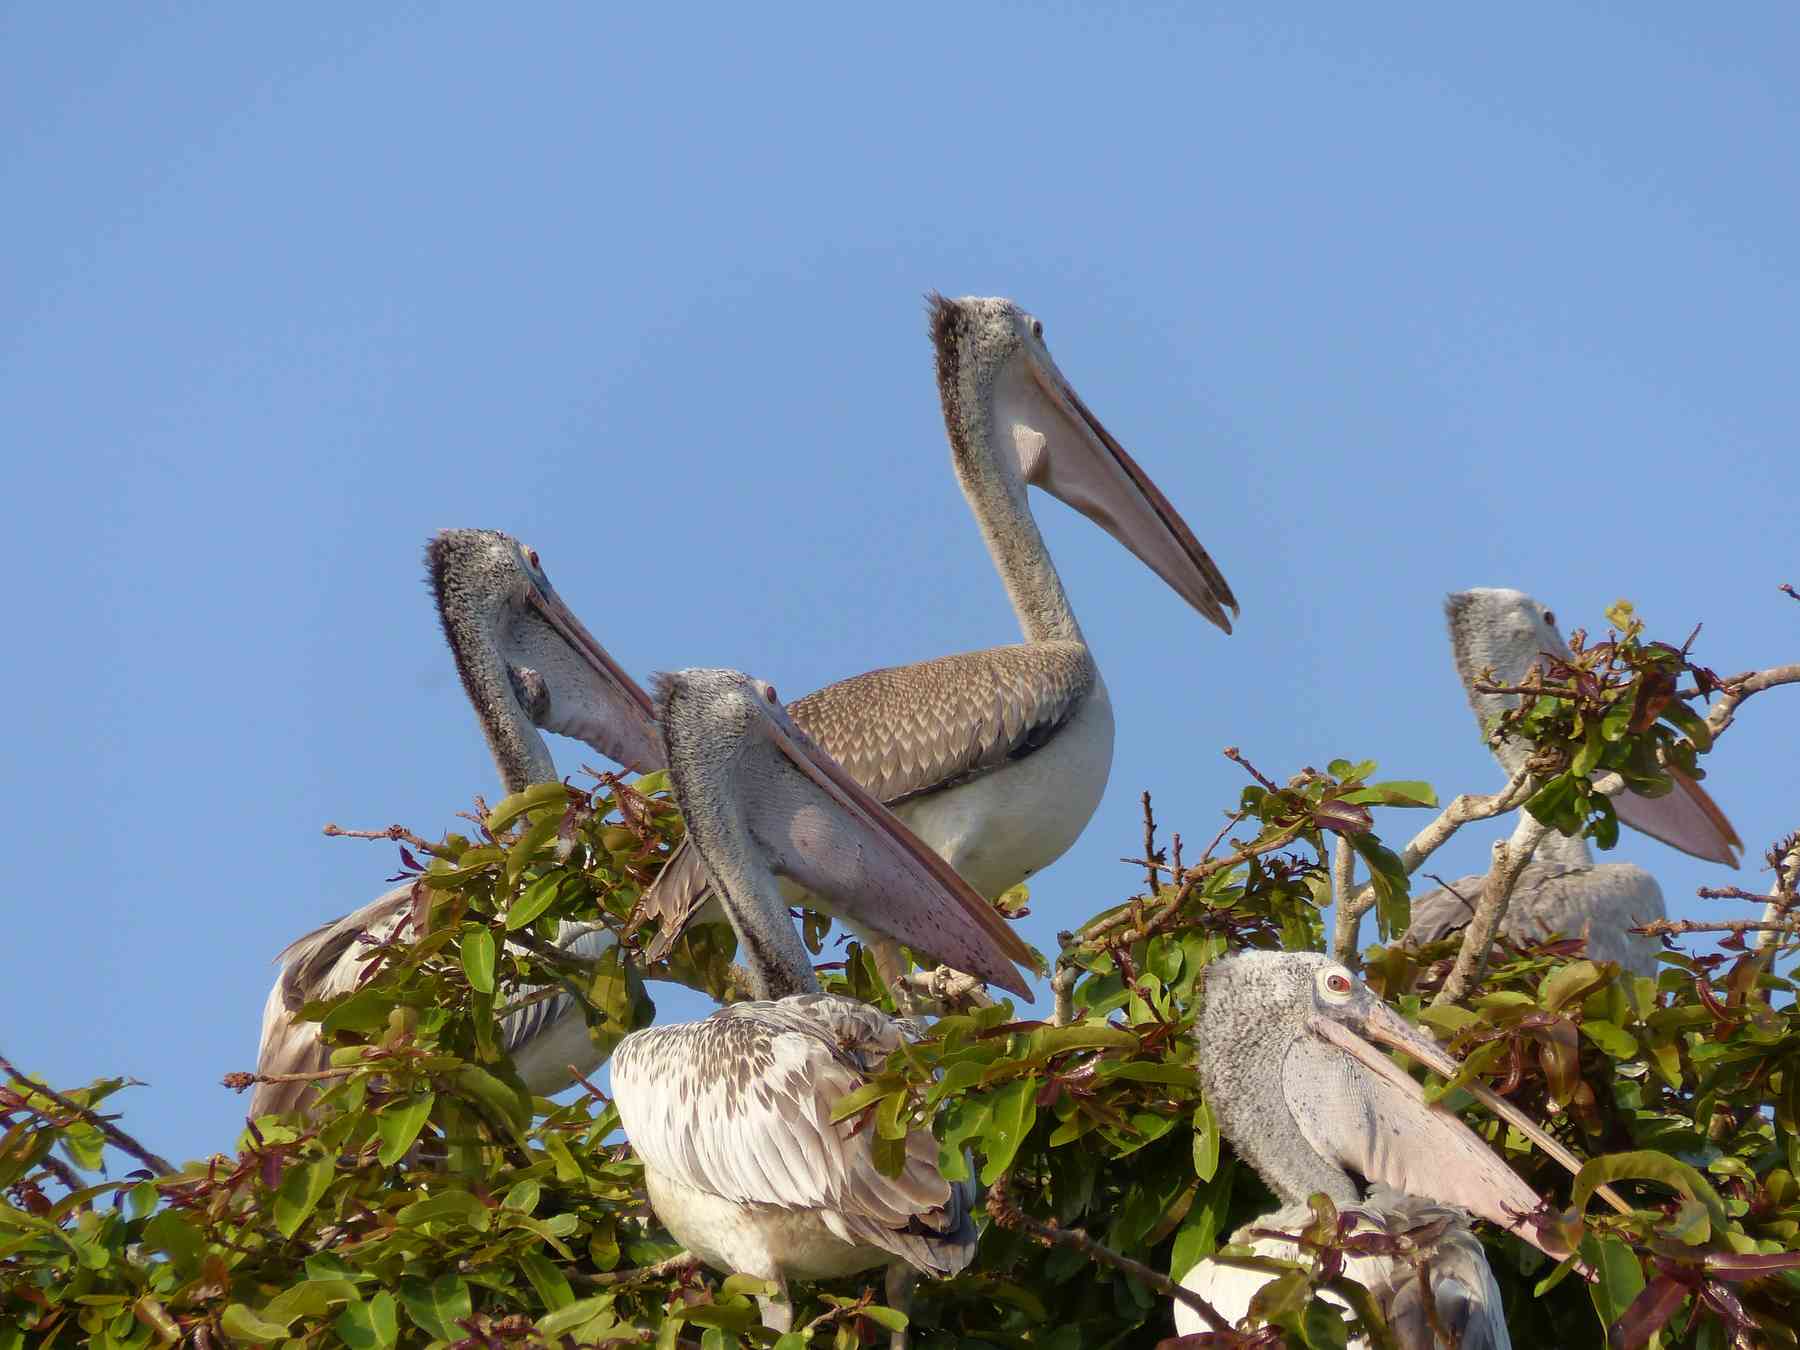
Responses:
[731,1116]
[1290,1061]
[997,758]
[526,663]
[1563,890]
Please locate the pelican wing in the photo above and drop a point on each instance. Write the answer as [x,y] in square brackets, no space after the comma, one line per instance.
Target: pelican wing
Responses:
[921,728]
[739,1106]
[1601,903]
[908,730]
[323,964]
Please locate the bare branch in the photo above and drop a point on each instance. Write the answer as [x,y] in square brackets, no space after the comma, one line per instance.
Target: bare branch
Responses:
[1051,1234]
[1348,917]
[1740,687]
[1785,891]
[1676,927]
[1510,858]
[635,1274]
[113,1134]
[1151,862]
[398,833]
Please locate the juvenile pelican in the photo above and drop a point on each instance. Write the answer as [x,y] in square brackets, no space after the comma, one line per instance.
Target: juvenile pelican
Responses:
[526,662]
[1290,1062]
[731,1116]
[1563,890]
[997,758]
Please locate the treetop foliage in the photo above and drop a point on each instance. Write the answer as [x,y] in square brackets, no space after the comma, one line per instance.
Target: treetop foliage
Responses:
[428,1200]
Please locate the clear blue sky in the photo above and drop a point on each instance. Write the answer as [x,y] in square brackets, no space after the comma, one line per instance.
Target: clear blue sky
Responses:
[1389,301]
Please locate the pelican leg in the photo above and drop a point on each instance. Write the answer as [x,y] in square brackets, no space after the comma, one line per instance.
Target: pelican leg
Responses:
[902,1279]
[777,1311]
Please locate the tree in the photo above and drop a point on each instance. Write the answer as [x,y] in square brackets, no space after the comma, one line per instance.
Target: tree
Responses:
[429,1200]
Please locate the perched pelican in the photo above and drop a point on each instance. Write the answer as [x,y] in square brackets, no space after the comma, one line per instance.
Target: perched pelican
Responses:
[997,759]
[526,662]
[1563,890]
[731,1116]
[1289,1061]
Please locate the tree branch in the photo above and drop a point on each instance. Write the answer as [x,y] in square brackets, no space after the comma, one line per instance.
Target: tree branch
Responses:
[683,1260]
[1510,859]
[113,1134]
[1784,893]
[1348,918]
[1051,1234]
[1741,687]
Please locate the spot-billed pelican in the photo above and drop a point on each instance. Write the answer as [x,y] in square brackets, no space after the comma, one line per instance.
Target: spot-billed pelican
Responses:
[997,758]
[1290,1062]
[1562,890]
[731,1116]
[526,662]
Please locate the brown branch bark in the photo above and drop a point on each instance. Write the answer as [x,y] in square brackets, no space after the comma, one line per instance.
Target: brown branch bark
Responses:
[1740,687]
[632,1275]
[1348,919]
[1510,858]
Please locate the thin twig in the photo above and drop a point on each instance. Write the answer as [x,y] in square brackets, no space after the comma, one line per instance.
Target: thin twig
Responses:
[398,833]
[240,1080]
[1676,927]
[114,1135]
[683,1260]
[1051,1234]
[1151,862]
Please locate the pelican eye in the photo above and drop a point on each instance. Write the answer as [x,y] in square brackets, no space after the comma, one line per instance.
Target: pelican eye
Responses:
[1335,986]
[1037,329]
[1550,617]
[769,693]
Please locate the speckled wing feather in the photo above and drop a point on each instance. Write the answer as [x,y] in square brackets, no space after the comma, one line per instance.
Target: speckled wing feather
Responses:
[907,730]
[325,963]
[739,1106]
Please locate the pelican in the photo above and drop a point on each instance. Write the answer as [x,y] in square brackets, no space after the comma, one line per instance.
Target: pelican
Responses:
[1289,1061]
[997,759]
[526,662]
[731,1116]
[1563,890]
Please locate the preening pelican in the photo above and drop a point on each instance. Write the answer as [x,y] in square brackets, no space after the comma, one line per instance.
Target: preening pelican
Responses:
[731,1116]
[1563,890]
[1289,1061]
[997,759]
[526,662]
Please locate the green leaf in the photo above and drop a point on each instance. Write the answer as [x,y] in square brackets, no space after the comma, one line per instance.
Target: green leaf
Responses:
[399,1123]
[1568,983]
[1649,1166]
[1613,1039]
[891,1319]
[511,808]
[300,1192]
[374,1325]
[1206,1143]
[309,1298]
[446,1207]
[241,1324]
[435,1307]
[538,897]
[524,849]
[551,1285]
[1394,792]
[365,1010]
[478,958]
[1619,1280]
[1014,1111]
[572,1315]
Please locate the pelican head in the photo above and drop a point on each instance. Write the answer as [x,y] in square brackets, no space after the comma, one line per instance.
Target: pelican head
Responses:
[1290,1059]
[527,662]
[761,800]
[1509,632]
[1005,398]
